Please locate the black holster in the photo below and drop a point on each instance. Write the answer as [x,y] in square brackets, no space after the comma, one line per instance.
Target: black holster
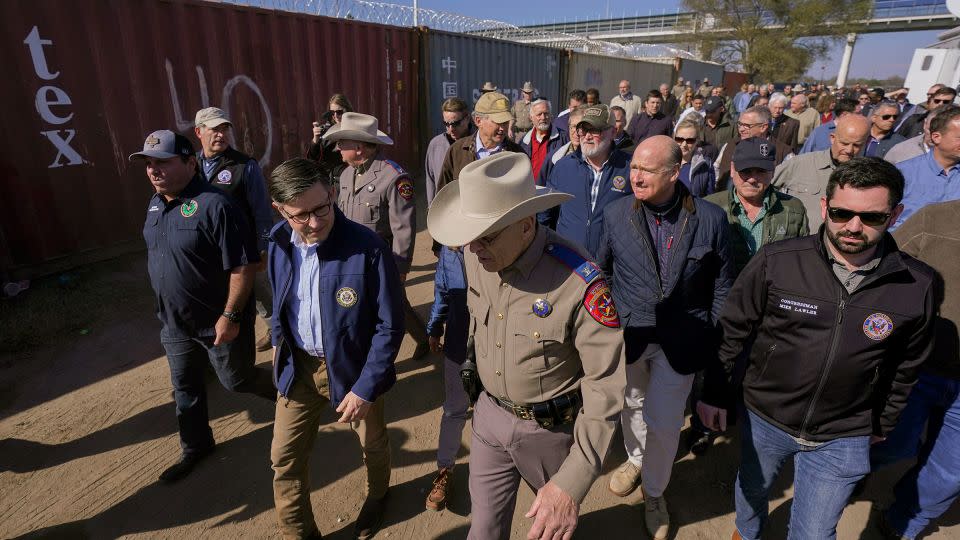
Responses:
[468,373]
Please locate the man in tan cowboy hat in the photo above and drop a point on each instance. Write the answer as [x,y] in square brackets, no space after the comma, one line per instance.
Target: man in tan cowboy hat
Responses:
[378,193]
[537,307]
[492,117]
[521,113]
[488,87]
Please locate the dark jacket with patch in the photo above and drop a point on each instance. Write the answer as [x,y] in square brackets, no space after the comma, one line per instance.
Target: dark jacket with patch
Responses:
[823,363]
[462,152]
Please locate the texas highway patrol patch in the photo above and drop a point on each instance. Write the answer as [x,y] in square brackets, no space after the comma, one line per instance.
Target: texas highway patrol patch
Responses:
[188,209]
[346,297]
[599,303]
[877,326]
[224,177]
[405,189]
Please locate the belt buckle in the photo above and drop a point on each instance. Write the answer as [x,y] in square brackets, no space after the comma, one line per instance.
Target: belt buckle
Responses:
[524,413]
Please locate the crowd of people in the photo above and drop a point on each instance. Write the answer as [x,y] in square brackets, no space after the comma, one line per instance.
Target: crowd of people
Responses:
[782,258]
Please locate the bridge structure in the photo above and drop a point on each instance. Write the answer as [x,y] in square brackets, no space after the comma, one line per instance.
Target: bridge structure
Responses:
[680,27]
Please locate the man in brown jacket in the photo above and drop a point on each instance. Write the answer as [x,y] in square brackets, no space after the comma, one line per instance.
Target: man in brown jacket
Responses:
[492,117]
[547,342]
[378,193]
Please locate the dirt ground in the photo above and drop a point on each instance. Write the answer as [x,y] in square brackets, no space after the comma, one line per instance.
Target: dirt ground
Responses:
[87,423]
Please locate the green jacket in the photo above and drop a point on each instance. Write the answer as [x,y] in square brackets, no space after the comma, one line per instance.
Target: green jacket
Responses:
[786,218]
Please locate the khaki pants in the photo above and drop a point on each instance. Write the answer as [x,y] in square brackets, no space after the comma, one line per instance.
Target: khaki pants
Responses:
[294,432]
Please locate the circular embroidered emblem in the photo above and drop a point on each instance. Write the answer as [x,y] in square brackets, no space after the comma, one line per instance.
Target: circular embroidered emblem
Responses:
[224,177]
[188,209]
[405,189]
[346,297]
[877,326]
[619,182]
[542,308]
[370,188]
[599,303]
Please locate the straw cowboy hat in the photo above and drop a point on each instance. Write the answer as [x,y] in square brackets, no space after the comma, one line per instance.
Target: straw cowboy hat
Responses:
[357,127]
[489,195]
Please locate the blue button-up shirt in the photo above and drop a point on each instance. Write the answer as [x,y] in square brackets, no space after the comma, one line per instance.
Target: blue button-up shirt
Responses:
[820,138]
[193,243]
[926,183]
[303,310]
[485,152]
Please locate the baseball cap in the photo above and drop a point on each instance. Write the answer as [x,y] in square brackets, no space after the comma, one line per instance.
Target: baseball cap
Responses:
[712,103]
[164,144]
[597,116]
[495,105]
[754,153]
[211,117]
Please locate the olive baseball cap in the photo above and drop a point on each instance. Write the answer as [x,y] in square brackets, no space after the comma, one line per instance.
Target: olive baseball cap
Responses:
[596,116]
[211,117]
[164,144]
[495,105]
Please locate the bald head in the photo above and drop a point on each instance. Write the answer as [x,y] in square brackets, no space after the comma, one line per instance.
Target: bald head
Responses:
[848,138]
[655,169]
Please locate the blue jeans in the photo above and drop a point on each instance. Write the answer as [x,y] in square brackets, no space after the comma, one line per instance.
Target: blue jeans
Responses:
[825,475]
[234,364]
[931,486]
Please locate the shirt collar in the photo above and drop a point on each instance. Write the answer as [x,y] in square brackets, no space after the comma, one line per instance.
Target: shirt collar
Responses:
[869,266]
[738,205]
[529,258]
[298,241]
[481,148]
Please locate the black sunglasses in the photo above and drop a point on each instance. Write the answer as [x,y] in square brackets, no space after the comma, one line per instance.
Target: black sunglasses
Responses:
[889,116]
[455,122]
[943,101]
[842,215]
[688,140]
[338,112]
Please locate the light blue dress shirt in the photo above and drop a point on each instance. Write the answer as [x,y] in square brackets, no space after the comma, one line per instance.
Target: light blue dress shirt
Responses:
[484,152]
[304,308]
[926,183]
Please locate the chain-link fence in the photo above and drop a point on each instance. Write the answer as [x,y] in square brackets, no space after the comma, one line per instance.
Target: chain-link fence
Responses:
[403,15]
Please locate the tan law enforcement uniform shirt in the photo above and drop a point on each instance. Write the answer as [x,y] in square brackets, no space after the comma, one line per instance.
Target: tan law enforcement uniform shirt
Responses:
[526,358]
[379,195]
[521,116]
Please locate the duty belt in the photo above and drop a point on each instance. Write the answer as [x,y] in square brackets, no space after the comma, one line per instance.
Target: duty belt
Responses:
[556,412]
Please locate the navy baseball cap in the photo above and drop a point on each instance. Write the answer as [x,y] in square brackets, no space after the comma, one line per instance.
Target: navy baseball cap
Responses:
[164,144]
[754,153]
[712,103]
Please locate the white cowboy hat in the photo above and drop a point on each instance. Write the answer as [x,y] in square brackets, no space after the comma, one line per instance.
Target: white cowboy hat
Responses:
[489,195]
[357,127]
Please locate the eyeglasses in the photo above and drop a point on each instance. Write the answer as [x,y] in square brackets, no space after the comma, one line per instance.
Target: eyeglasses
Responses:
[302,218]
[454,123]
[488,240]
[943,101]
[581,131]
[338,112]
[889,116]
[842,215]
[741,125]
[688,140]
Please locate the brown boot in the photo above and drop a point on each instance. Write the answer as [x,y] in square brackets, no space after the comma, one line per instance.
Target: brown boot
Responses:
[266,342]
[442,485]
[370,518]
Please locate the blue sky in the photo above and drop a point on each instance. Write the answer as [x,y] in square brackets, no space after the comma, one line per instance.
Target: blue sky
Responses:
[875,55]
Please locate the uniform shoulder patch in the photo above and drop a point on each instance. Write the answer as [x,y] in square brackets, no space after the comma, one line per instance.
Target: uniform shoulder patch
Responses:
[580,266]
[395,165]
[405,188]
[599,304]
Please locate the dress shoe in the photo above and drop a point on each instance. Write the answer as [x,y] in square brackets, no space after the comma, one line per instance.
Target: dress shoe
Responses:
[266,342]
[699,442]
[625,479]
[183,467]
[370,518]
[442,486]
[656,515]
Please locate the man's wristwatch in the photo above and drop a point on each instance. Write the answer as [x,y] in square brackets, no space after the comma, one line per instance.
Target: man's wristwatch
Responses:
[232,316]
